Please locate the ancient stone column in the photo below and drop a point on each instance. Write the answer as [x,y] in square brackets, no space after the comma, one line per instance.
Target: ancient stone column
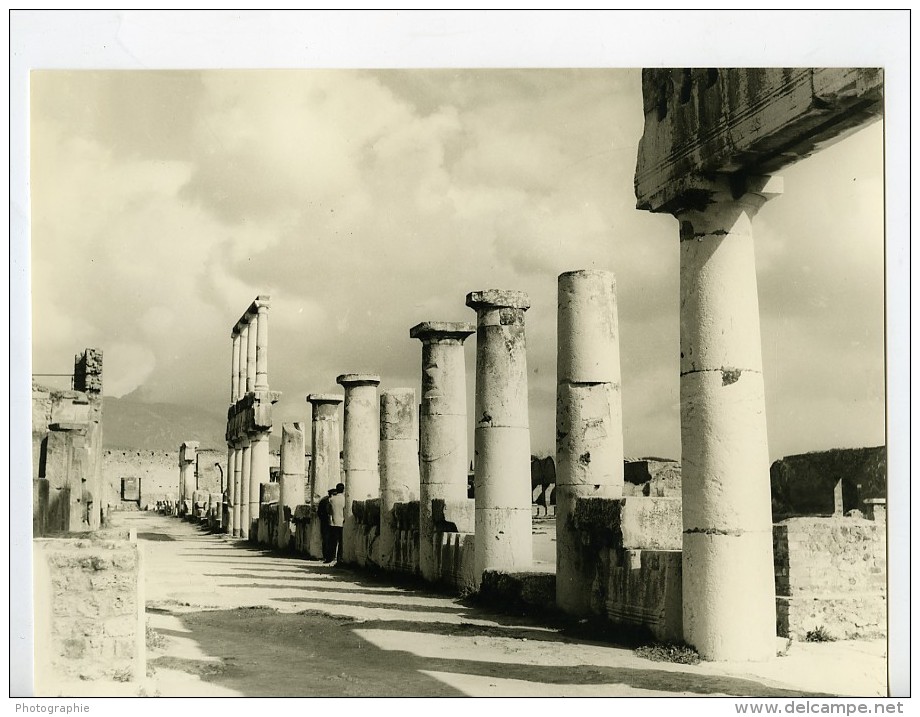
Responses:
[236,510]
[361,438]
[259,471]
[325,470]
[231,488]
[442,434]
[292,476]
[188,455]
[235,368]
[251,336]
[728,583]
[399,471]
[261,383]
[589,420]
[502,436]
[246,461]
[244,359]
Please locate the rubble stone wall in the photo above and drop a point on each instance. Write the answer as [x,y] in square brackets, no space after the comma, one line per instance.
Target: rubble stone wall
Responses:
[157,471]
[830,573]
[89,611]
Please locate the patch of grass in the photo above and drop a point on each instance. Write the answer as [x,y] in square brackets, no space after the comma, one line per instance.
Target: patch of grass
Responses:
[660,652]
[153,639]
[819,634]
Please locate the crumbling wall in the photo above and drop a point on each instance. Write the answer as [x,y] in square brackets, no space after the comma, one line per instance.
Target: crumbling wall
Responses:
[89,612]
[830,573]
[805,484]
[156,472]
[631,562]
[209,469]
[364,532]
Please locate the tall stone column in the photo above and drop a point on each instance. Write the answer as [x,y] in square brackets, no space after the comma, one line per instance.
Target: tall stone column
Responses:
[261,383]
[231,488]
[244,387]
[361,437]
[589,418]
[292,476]
[259,471]
[399,470]
[251,337]
[237,490]
[442,430]
[728,584]
[235,368]
[246,462]
[188,455]
[325,470]
[502,438]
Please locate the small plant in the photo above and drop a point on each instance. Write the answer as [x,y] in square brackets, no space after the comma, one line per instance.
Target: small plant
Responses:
[659,652]
[154,639]
[123,675]
[819,634]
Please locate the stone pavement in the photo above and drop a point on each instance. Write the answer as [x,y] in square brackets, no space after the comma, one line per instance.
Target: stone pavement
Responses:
[226,618]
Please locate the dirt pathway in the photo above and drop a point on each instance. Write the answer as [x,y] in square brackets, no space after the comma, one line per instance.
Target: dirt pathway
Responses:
[227,618]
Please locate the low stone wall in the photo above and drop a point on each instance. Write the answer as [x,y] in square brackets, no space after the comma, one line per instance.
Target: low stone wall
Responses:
[830,573]
[364,533]
[631,562]
[405,517]
[89,612]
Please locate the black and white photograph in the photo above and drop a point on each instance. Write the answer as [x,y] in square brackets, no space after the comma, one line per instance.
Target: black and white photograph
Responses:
[421,354]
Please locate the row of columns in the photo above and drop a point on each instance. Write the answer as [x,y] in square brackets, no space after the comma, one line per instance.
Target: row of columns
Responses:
[727,555]
[248,454]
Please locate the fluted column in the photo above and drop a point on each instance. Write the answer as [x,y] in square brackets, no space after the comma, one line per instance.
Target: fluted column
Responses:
[442,426]
[728,583]
[399,470]
[502,438]
[589,419]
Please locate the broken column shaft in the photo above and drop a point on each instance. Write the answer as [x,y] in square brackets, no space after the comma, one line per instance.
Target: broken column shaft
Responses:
[502,437]
[361,436]
[728,582]
[442,434]
[589,421]
[399,471]
[261,359]
[259,471]
[292,477]
[325,470]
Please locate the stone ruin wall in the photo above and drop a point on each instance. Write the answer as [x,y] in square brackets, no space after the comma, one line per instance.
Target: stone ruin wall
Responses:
[89,612]
[68,490]
[155,470]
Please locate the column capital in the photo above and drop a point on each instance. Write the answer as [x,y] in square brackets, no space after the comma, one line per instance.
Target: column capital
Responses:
[701,192]
[498,299]
[321,398]
[348,380]
[435,331]
[261,304]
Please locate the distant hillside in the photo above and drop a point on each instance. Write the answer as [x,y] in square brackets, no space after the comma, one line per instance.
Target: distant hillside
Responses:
[129,423]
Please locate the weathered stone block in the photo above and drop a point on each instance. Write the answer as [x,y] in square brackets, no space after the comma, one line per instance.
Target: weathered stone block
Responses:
[269,492]
[406,516]
[638,523]
[454,516]
[366,512]
[742,120]
[519,590]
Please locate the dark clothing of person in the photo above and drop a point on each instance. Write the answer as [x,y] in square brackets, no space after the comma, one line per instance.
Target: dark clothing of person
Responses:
[322,512]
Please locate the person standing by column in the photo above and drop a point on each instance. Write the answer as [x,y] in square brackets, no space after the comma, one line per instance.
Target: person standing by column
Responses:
[336,521]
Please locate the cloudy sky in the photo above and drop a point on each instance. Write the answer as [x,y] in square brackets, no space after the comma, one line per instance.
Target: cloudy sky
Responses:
[364,202]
